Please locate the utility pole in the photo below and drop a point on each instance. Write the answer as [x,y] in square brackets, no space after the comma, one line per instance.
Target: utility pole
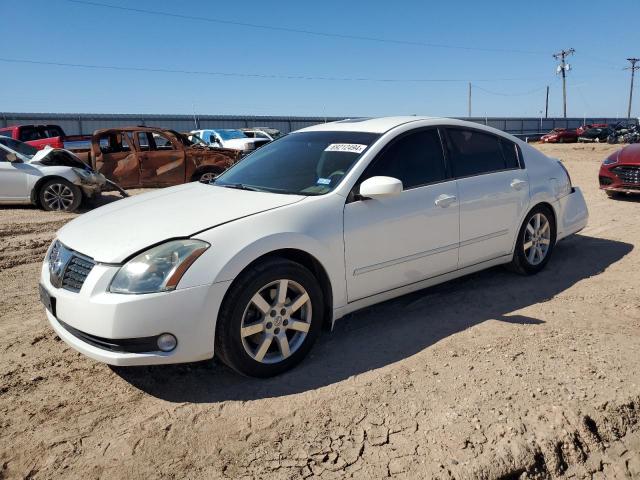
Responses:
[469,115]
[563,68]
[633,69]
[546,104]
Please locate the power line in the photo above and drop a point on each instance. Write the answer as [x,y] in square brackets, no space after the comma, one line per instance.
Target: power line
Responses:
[301,31]
[502,94]
[253,75]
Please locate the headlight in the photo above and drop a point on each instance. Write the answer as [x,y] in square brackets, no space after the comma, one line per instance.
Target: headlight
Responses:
[159,269]
[611,159]
[82,173]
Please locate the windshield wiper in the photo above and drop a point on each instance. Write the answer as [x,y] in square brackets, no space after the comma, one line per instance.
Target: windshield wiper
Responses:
[239,186]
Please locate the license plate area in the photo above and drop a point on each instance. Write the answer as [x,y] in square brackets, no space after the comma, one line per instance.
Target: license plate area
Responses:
[47,300]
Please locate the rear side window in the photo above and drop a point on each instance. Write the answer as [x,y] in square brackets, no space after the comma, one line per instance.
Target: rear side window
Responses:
[475,153]
[3,155]
[510,152]
[28,134]
[415,159]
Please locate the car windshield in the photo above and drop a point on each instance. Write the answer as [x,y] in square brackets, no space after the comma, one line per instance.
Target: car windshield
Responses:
[196,140]
[20,147]
[307,163]
[230,134]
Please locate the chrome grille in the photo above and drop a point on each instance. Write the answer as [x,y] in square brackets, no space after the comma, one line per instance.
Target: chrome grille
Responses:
[76,273]
[628,174]
[68,269]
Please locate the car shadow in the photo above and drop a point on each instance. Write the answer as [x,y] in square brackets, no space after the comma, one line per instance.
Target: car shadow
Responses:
[630,198]
[391,331]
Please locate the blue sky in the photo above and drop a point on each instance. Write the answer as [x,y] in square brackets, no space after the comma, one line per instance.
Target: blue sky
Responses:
[62,31]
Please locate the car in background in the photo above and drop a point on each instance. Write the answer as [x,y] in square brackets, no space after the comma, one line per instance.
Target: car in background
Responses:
[154,157]
[595,135]
[53,179]
[41,136]
[560,135]
[309,228]
[262,132]
[230,138]
[587,126]
[620,172]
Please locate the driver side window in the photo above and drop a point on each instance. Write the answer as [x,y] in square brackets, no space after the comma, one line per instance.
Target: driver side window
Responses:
[3,155]
[416,159]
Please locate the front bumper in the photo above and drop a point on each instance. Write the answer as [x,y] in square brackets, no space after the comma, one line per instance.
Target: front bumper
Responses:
[190,314]
[608,180]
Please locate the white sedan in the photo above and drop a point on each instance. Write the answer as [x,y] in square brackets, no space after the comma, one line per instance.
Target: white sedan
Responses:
[312,226]
[53,179]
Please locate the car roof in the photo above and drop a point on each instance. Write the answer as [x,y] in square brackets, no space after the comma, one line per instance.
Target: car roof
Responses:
[384,124]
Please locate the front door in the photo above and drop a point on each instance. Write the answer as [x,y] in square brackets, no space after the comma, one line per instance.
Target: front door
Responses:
[404,239]
[493,192]
[162,162]
[116,158]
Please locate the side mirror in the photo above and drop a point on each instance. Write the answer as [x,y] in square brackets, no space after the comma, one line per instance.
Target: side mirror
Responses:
[13,158]
[380,187]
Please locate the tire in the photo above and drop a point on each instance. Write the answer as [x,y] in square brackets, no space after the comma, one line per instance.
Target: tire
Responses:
[59,194]
[274,342]
[205,176]
[527,261]
[612,194]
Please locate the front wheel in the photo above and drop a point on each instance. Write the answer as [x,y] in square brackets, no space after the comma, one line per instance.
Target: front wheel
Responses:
[60,195]
[535,243]
[269,319]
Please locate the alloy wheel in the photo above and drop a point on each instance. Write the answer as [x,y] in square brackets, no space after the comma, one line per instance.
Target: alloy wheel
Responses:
[276,321]
[537,238]
[58,196]
[207,177]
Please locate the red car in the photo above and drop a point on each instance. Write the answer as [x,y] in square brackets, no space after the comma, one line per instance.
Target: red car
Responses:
[40,136]
[560,135]
[620,171]
[584,128]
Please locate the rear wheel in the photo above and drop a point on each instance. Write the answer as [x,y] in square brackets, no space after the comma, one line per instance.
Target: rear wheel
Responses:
[60,195]
[270,318]
[206,176]
[535,243]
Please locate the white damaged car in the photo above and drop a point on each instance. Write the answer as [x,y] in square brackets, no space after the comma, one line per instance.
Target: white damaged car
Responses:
[308,228]
[53,179]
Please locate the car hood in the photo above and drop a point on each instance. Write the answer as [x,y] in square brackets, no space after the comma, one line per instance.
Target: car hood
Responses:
[112,233]
[57,157]
[630,154]
[239,142]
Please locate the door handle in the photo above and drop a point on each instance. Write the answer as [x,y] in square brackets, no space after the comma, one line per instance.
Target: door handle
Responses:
[518,184]
[444,200]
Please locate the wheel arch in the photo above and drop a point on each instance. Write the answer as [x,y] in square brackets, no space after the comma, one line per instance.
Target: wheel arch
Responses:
[204,169]
[35,191]
[311,263]
[541,203]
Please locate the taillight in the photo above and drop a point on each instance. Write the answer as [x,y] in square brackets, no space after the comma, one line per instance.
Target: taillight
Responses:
[567,172]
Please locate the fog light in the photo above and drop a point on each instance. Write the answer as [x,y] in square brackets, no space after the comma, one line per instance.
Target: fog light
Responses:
[167,342]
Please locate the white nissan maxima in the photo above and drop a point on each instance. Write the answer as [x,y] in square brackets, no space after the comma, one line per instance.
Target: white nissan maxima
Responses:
[310,227]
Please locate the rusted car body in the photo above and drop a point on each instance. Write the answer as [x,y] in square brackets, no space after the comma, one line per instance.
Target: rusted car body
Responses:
[153,157]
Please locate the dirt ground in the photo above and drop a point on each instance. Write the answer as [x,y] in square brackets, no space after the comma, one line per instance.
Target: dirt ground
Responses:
[493,376]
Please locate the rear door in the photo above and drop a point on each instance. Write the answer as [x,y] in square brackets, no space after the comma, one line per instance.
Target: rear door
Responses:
[13,179]
[493,192]
[162,160]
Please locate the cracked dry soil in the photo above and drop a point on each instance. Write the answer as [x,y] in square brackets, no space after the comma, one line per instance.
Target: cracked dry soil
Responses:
[493,376]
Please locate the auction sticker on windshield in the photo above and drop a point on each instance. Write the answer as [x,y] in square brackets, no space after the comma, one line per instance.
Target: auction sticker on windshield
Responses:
[346,147]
